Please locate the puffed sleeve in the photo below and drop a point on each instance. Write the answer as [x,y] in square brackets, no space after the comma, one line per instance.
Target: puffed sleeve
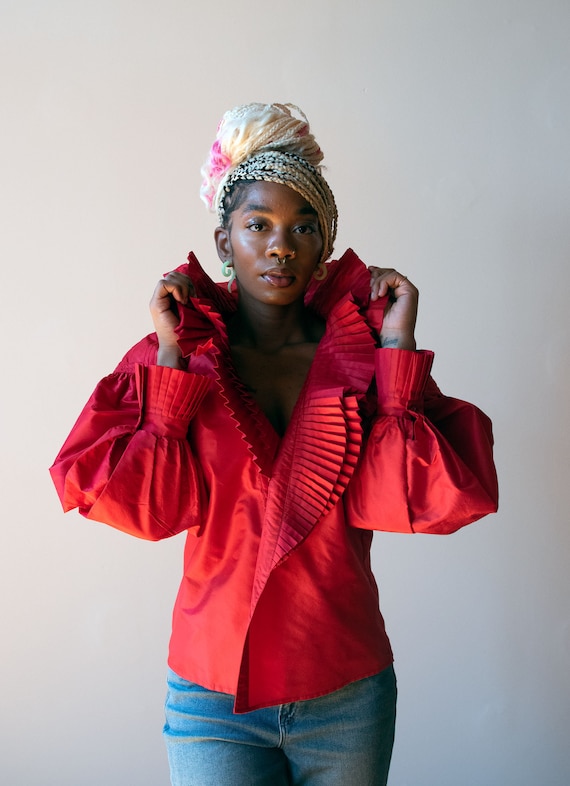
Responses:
[127,461]
[428,463]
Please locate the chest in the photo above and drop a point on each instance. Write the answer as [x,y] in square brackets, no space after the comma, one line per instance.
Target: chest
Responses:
[275,380]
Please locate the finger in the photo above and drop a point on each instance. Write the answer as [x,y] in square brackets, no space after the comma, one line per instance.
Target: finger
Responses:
[163,300]
[183,281]
[175,286]
[375,281]
[176,275]
[381,281]
[390,276]
[384,280]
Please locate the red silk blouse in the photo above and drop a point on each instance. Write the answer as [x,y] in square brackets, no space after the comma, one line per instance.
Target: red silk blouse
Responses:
[278,602]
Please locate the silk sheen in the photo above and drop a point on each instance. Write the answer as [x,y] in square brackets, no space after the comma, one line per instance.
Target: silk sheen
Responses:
[278,602]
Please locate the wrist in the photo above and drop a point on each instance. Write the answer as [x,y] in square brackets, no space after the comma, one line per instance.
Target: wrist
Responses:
[397,341]
[170,356]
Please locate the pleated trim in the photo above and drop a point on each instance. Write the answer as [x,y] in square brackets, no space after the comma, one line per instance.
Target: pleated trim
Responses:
[200,323]
[401,377]
[346,274]
[320,449]
[202,319]
[223,301]
[344,356]
[255,429]
[169,392]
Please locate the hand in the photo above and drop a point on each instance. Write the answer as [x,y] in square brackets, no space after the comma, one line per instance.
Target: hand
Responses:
[173,288]
[400,315]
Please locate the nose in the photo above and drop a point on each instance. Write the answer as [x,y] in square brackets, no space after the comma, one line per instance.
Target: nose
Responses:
[280,246]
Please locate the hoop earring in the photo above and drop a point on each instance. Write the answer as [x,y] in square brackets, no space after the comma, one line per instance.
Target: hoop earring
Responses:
[228,271]
[320,272]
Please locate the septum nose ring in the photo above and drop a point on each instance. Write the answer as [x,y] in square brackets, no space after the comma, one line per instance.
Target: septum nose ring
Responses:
[281,260]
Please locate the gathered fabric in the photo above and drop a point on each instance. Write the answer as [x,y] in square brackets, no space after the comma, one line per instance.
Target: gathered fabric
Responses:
[278,602]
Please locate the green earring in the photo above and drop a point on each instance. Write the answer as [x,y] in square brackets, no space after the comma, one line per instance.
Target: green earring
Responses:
[228,271]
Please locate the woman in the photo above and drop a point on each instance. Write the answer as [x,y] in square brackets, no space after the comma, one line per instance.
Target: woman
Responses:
[278,421]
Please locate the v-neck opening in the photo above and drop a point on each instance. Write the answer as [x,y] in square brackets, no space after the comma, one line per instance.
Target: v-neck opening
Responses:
[252,403]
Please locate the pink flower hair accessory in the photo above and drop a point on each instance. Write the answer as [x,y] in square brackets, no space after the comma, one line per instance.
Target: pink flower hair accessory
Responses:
[214,170]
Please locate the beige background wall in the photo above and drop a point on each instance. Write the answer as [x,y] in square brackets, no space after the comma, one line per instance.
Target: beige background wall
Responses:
[445,127]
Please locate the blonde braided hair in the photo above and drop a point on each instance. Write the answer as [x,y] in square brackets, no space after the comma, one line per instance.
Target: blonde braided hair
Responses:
[268,142]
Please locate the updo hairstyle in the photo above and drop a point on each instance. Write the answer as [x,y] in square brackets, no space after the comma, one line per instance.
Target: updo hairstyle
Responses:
[270,142]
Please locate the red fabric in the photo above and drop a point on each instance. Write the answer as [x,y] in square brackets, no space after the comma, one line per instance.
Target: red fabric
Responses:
[276,566]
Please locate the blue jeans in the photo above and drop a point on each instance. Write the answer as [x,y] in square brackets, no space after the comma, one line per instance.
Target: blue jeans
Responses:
[345,737]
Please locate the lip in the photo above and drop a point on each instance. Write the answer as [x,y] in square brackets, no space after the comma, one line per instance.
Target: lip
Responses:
[278,277]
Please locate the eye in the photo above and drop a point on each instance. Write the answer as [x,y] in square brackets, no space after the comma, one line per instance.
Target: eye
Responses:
[255,226]
[306,229]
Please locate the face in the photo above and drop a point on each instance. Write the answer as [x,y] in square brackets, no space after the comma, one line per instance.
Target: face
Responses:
[271,222]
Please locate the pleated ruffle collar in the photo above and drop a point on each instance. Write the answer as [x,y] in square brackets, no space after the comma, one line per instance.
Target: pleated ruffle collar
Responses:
[310,466]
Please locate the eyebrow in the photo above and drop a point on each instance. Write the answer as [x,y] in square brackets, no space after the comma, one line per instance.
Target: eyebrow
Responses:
[253,208]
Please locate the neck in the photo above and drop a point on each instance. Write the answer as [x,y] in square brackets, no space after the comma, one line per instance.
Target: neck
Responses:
[270,328]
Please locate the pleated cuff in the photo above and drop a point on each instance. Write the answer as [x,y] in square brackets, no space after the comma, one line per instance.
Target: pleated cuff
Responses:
[401,377]
[168,398]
